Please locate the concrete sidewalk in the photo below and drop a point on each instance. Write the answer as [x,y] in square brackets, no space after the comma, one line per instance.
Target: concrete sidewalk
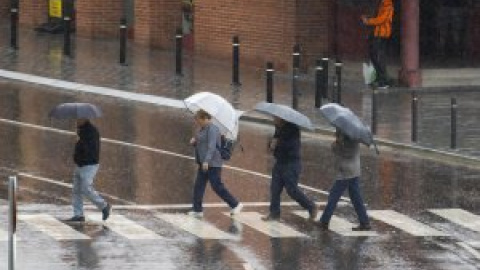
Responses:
[95,62]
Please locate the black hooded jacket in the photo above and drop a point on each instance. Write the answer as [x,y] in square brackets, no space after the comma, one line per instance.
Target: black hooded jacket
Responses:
[87,149]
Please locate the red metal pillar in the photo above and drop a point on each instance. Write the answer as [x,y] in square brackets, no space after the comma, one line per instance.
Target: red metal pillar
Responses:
[410,70]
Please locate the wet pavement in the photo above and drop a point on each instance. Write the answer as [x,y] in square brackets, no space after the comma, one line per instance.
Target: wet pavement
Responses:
[147,172]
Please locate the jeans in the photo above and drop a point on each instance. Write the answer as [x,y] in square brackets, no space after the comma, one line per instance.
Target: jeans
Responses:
[83,186]
[378,50]
[354,193]
[285,175]
[212,174]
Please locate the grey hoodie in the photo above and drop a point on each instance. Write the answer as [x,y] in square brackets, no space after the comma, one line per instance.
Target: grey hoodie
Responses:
[207,139]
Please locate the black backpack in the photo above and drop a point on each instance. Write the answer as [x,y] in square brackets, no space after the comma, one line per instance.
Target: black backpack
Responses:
[226,147]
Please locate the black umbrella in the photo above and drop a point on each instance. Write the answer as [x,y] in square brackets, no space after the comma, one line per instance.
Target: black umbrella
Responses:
[75,111]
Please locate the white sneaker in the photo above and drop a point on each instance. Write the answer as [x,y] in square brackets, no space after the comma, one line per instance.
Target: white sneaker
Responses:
[195,214]
[237,209]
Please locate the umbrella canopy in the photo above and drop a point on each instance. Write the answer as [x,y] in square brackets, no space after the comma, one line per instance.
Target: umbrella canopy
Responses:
[286,113]
[347,122]
[223,114]
[75,111]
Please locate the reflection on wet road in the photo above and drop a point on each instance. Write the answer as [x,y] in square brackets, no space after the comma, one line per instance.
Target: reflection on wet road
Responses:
[147,172]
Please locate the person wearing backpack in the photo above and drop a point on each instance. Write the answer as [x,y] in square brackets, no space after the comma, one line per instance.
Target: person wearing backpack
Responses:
[285,146]
[209,161]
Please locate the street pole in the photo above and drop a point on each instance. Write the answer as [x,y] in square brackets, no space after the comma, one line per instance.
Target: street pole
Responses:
[318,83]
[14,24]
[12,220]
[236,61]
[269,72]
[67,12]
[123,41]
[453,123]
[178,52]
[296,67]
[338,71]
[414,116]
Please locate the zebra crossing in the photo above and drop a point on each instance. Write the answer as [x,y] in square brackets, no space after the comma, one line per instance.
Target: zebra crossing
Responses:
[205,229]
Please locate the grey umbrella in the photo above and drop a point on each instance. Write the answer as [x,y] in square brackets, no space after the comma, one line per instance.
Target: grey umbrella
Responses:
[286,113]
[348,123]
[75,111]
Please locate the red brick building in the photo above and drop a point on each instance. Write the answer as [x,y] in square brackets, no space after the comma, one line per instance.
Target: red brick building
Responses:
[268,29]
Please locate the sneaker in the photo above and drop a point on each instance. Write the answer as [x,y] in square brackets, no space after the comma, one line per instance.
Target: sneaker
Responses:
[195,214]
[237,209]
[362,227]
[106,211]
[313,213]
[271,217]
[76,219]
[323,226]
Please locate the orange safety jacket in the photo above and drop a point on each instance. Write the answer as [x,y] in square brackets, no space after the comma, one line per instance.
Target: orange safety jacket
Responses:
[383,21]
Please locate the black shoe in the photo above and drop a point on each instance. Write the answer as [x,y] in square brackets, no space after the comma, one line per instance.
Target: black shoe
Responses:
[323,226]
[106,212]
[76,219]
[362,227]
[271,217]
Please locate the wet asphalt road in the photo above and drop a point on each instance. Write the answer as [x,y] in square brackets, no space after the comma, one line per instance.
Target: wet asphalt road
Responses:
[145,160]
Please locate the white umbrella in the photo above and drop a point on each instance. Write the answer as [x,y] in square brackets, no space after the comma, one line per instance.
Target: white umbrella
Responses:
[223,114]
[286,113]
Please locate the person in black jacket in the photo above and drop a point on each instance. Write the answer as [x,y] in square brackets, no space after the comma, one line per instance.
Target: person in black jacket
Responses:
[86,158]
[286,170]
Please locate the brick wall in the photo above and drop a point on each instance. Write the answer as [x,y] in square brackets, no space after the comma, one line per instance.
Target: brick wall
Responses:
[98,18]
[4,8]
[33,13]
[156,22]
[267,29]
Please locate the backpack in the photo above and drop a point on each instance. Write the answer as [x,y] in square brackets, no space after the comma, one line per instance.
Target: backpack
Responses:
[226,148]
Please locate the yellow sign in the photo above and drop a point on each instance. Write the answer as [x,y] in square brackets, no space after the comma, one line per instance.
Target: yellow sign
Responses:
[55,8]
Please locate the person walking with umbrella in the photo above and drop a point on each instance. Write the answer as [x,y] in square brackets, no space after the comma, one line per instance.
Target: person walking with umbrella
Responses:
[209,161]
[86,157]
[346,149]
[285,147]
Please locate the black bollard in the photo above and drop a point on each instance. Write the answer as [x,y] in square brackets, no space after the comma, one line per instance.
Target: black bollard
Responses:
[414,116]
[14,24]
[453,124]
[269,72]
[178,52]
[338,72]
[67,11]
[325,77]
[374,111]
[236,61]
[296,67]
[318,83]
[123,41]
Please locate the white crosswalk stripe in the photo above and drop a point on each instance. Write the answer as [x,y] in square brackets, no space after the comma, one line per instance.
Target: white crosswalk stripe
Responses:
[125,227]
[195,226]
[52,227]
[404,223]
[460,217]
[340,226]
[271,228]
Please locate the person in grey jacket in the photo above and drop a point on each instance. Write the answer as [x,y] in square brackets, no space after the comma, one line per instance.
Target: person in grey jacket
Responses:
[347,167]
[207,156]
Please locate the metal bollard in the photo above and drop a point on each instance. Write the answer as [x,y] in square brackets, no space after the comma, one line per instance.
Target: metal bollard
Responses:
[269,72]
[338,72]
[296,67]
[178,52]
[123,41]
[374,111]
[67,11]
[12,220]
[414,116]
[236,61]
[14,24]
[325,61]
[453,123]
[318,83]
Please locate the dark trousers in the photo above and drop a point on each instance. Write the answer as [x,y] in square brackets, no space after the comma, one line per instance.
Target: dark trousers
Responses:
[285,175]
[213,174]
[354,193]
[378,51]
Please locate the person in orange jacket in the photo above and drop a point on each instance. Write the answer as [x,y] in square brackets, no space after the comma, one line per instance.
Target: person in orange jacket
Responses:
[382,31]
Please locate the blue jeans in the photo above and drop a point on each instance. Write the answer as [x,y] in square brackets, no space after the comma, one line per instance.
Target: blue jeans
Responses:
[83,186]
[213,174]
[285,175]
[354,193]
